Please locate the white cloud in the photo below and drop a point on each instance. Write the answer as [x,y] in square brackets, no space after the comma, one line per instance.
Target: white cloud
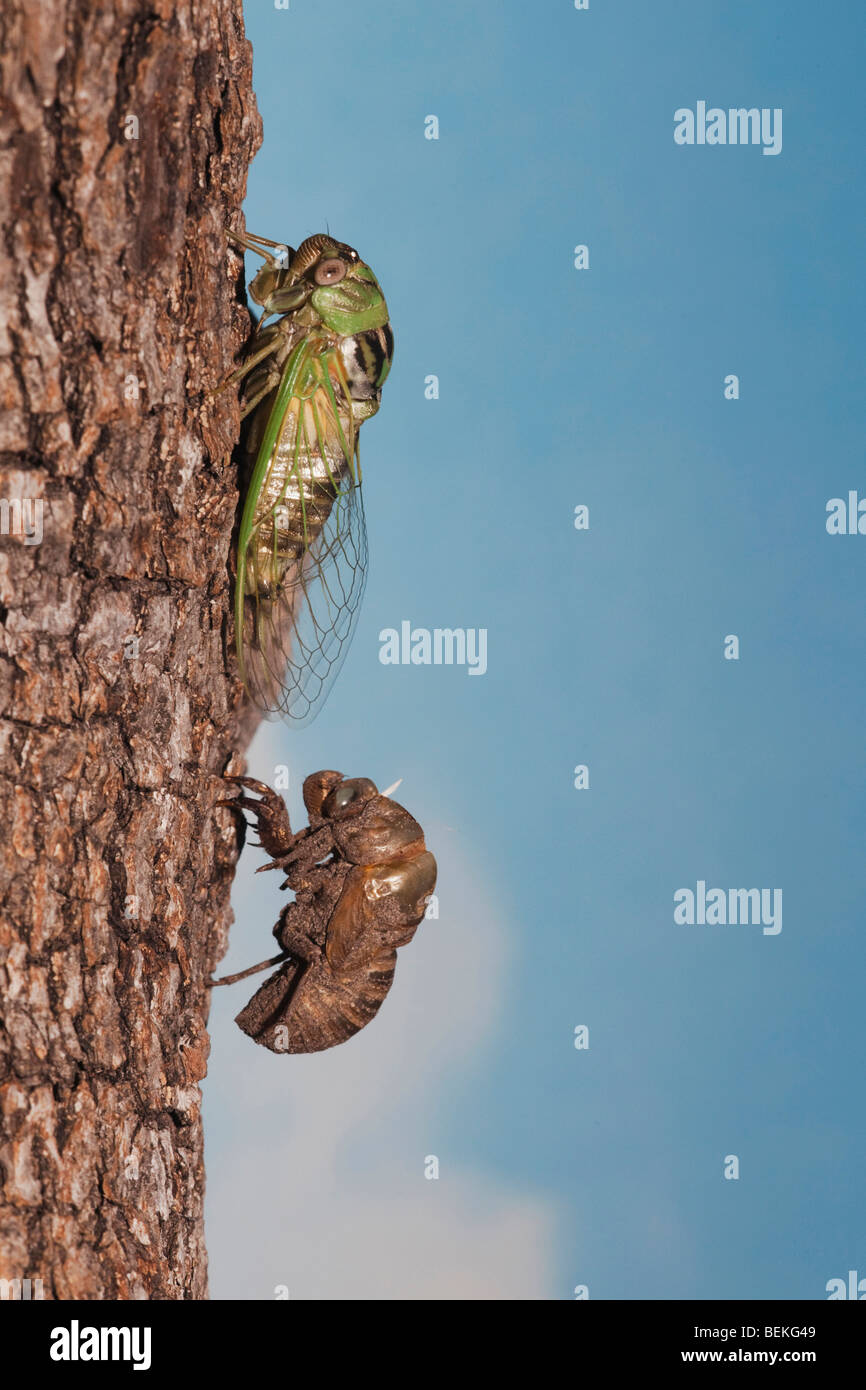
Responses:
[394,1238]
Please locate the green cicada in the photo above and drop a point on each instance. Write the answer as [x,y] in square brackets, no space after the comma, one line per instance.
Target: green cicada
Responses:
[311,379]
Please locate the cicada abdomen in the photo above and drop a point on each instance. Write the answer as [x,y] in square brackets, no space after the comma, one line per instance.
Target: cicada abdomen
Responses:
[312,378]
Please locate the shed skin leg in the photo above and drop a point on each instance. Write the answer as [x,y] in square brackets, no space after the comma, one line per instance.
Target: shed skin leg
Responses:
[306,883]
[297,946]
[271,815]
[307,853]
[251,970]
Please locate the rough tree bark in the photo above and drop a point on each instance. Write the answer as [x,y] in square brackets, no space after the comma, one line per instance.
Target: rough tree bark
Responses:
[127,130]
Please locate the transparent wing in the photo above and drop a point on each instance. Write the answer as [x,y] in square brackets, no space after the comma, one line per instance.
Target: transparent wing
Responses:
[298,627]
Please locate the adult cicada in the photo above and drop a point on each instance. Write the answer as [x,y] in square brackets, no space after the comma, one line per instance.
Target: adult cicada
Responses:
[310,381]
[362,876]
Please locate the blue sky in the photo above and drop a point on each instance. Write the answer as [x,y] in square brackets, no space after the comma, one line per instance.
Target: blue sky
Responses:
[602,387]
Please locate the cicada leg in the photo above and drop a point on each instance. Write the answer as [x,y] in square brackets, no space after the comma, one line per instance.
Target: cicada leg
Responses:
[255,243]
[268,286]
[309,849]
[296,943]
[268,343]
[251,970]
[271,379]
[272,817]
[307,882]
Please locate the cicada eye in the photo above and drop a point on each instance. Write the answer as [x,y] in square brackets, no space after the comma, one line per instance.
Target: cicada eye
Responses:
[330,272]
[350,792]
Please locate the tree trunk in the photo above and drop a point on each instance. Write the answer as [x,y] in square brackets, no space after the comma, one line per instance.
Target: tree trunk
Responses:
[126,134]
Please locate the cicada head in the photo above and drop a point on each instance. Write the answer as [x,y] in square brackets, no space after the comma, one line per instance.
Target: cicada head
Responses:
[369,828]
[291,279]
[343,290]
[329,275]
[348,798]
[331,796]
[317,788]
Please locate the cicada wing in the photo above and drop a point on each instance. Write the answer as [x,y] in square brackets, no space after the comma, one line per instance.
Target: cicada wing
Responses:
[302,553]
[352,922]
[298,630]
[326,602]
